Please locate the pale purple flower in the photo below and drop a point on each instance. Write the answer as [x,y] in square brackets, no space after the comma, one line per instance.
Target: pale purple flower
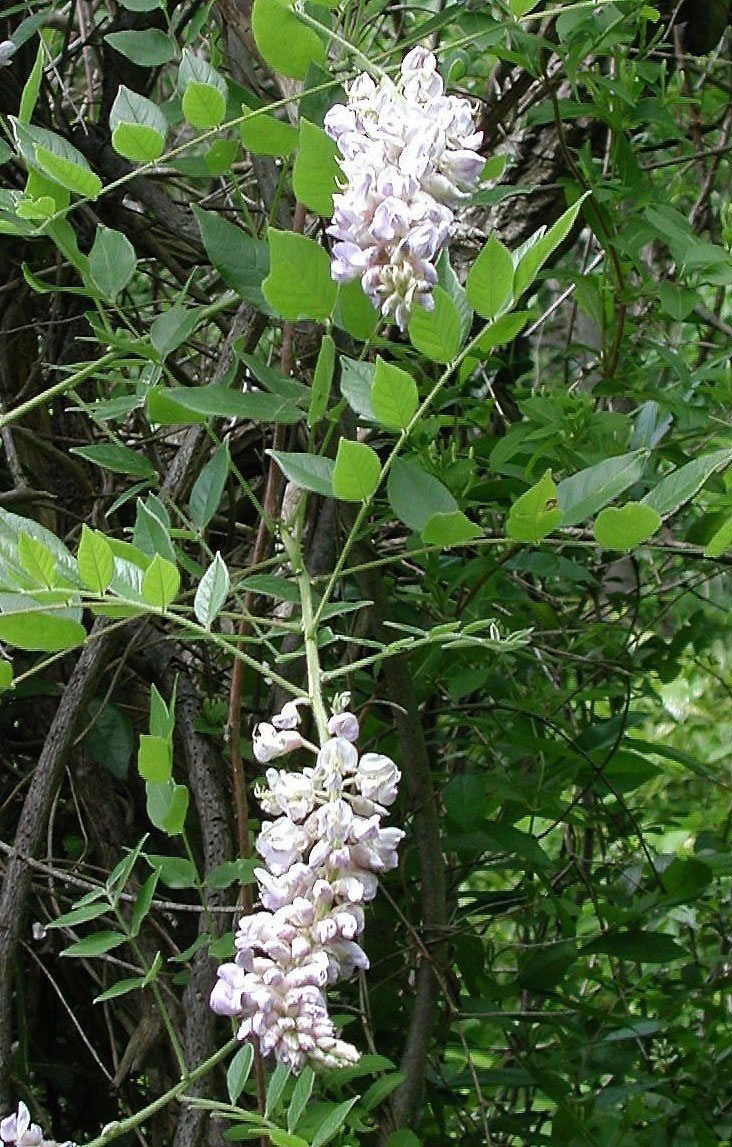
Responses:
[7,51]
[409,156]
[281,843]
[269,742]
[377,778]
[344,725]
[18,1129]
[289,717]
[289,793]
[322,856]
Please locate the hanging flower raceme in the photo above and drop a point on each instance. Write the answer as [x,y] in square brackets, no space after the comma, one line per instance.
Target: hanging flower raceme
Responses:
[18,1131]
[409,157]
[323,854]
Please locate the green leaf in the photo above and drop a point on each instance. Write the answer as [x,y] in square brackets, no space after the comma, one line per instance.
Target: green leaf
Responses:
[536,513]
[625,528]
[381,1089]
[160,583]
[586,492]
[142,904]
[308,471]
[37,560]
[354,312]
[110,739]
[204,92]
[357,471]
[542,969]
[121,988]
[112,261]
[138,127]
[208,488]
[122,871]
[280,1138]
[6,674]
[537,254]
[173,327]
[277,1084]
[720,542]
[416,496]
[299,284]
[96,945]
[680,486]
[68,167]
[437,333]
[316,171]
[152,530]
[120,459]
[394,397]
[174,871]
[212,592]
[232,872]
[80,915]
[41,632]
[356,381]
[452,529]
[643,947]
[241,261]
[490,280]
[502,331]
[403,1138]
[155,758]
[95,560]
[148,49]
[287,45]
[322,381]
[300,1095]
[170,406]
[167,805]
[238,1071]
[29,96]
[686,878]
[332,1123]
[267,135]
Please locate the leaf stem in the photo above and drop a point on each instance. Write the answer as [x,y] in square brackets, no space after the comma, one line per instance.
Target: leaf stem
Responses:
[115,1130]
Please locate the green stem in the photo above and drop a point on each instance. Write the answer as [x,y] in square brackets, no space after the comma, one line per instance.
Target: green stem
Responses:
[293,547]
[60,388]
[157,996]
[363,60]
[133,1121]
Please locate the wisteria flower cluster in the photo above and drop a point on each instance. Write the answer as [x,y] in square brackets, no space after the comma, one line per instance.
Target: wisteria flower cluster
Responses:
[323,853]
[409,156]
[17,1129]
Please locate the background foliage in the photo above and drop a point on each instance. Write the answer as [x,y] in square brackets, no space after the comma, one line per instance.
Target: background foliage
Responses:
[528,600]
